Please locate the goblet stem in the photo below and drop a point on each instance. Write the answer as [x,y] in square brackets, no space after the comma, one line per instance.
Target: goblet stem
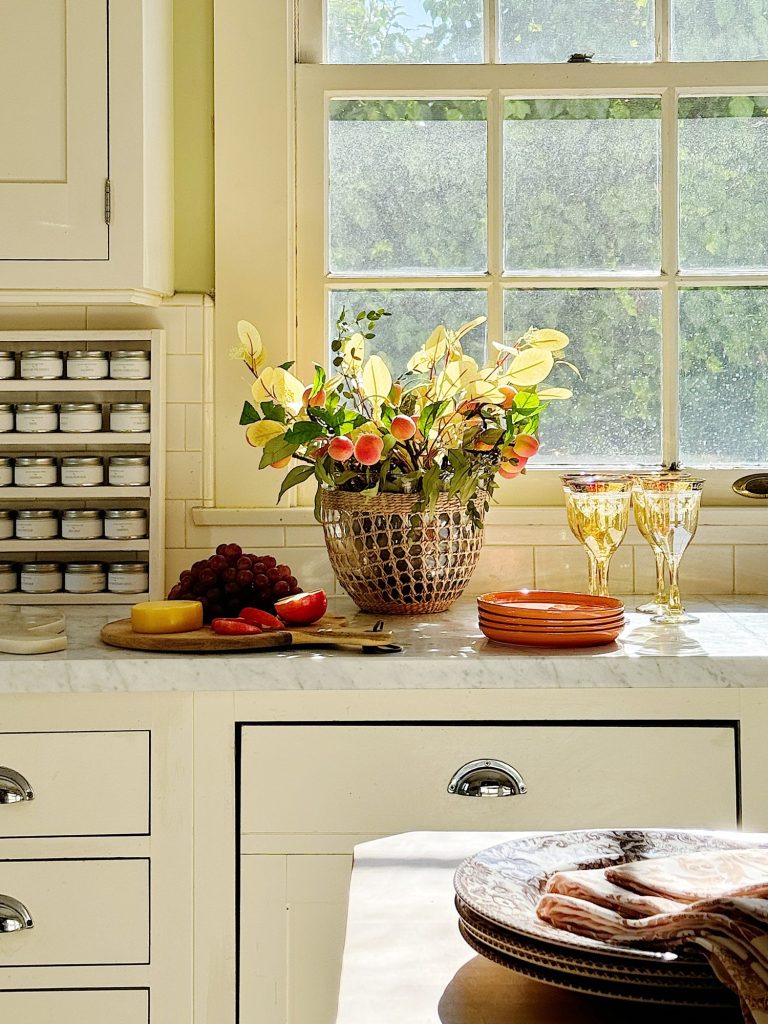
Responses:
[675,603]
[661,578]
[598,576]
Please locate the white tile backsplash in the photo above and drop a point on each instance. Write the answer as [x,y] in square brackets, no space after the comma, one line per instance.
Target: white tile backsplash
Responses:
[536,551]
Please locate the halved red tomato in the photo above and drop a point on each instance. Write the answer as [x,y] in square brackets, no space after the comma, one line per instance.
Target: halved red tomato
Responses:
[302,609]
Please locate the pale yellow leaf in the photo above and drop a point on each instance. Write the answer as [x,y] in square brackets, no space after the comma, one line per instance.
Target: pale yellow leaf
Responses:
[530,367]
[469,326]
[250,349]
[258,434]
[437,340]
[553,340]
[353,354]
[288,390]
[554,394]
[377,380]
[262,387]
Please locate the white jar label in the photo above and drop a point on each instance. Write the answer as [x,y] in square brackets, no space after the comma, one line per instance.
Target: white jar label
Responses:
[7,582]
[6,476]
[6,529]
[46,369]
[36,422]
[40,583]
[7,369]
[88,476]
[129,369]
[127,529]
[85,582]
[86,529]
[87,369]
[129,476]
[80,422]
[129,422]
[128,583]
[41,529]
[31,476]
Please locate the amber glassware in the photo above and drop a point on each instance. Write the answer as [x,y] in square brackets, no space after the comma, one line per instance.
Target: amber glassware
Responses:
[598,515]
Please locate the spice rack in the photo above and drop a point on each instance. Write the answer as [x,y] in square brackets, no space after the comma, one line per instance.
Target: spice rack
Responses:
[103,443]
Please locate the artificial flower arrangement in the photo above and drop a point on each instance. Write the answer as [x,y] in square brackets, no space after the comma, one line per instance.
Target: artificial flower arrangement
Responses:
[445,426]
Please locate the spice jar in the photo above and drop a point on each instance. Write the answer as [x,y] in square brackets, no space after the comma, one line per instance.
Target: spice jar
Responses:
[34,471]
[40,578]
[84,578]
[87,365]
[82,471]
[6,524]
[80,418]
[81,524]
[9,578]
[129,418]
[128,578]
[128,471]
[7,365]
[129,365]
[36,418]
[125,523]
[6,418]
[6,472]
[36,524]
[41,365]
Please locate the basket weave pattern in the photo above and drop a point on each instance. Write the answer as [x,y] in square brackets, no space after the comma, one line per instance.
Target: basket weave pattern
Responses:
[390,558]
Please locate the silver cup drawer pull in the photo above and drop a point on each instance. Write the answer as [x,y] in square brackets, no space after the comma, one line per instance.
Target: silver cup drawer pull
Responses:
[14,916]
[487,777]
[14,788]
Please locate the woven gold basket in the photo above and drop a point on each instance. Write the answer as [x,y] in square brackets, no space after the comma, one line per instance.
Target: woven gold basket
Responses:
[391,558]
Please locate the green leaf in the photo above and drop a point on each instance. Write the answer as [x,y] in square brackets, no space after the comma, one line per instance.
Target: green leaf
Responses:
[248,415]
[296,476]
[271,411]
[304,431]
[288,365]
[741,106]
[318,382]
[275,450]
[431,412]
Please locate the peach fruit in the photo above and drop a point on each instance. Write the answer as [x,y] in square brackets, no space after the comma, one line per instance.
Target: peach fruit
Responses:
[281,463]
[313,401]
[403,428]
[341,449]
[526,445]
[509,396]
[368,449]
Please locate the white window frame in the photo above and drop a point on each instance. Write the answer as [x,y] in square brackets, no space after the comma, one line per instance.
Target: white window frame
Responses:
[318,83]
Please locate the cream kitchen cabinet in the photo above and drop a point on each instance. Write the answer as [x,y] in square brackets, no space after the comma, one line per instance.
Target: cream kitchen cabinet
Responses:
[85,165]
[310,793]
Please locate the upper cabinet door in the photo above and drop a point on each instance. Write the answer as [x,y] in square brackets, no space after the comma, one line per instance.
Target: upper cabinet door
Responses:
[54,129]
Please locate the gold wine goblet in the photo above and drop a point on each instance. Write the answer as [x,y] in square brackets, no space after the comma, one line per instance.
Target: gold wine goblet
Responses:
[598,515]
[659,602]
[672,512]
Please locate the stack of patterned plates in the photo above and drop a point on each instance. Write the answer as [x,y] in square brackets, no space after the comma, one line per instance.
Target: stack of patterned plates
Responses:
[545,618]
[498,889]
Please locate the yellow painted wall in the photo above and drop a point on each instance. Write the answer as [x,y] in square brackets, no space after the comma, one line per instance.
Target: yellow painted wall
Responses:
[193,144]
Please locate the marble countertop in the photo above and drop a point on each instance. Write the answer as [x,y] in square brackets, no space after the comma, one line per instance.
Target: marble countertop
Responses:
[405,961]
[727,648]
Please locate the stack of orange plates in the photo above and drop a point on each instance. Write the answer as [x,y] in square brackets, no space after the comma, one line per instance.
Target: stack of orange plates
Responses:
[545,618]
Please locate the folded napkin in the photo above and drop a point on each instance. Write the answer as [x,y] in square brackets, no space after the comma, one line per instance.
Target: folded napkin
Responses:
[696,876]
[593,885]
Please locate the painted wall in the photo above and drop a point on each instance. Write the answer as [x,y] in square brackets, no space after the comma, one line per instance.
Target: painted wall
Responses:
[193,144]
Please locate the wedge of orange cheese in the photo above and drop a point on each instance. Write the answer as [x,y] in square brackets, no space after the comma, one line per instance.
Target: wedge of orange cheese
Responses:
[166,616]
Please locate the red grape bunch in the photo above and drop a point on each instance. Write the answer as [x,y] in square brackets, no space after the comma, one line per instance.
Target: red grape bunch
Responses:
[229,581]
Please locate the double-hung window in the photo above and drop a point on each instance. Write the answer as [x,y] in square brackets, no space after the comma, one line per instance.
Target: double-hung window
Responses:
[597,166]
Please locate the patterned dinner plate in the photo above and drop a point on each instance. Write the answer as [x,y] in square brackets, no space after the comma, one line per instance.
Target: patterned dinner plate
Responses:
[503,883]
[719,998]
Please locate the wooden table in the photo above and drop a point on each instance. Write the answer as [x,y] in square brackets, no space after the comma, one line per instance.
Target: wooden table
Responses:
[405,962]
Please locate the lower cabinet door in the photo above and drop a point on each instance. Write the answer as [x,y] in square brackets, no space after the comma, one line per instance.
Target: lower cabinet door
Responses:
[83,912]
[71,1007]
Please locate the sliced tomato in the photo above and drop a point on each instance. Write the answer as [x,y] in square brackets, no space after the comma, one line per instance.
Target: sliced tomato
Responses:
[302,609]
[257,617]
[234,627]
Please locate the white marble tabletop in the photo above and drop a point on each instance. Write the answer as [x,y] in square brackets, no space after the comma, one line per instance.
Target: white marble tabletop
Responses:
[405,961]
[727,648]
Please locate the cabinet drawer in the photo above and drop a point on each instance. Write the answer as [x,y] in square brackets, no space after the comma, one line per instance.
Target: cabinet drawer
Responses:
[380,779]
[84,783]
[84,912]
[73,1007]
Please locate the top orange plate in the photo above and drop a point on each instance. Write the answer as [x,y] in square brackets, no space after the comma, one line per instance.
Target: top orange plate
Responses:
[551,604]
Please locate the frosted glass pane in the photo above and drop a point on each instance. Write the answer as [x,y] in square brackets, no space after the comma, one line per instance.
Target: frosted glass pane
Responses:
[614,418]
[405,31]
[719,30]
[723,381]
[414,316]
[407,190]
[549,31]
[724,182]
[581,184]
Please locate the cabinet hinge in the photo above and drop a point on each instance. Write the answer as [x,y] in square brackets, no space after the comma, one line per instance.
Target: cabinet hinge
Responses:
[107,200]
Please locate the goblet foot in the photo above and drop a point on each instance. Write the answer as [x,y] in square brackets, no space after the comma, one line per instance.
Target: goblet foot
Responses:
[669,618]
[652,607]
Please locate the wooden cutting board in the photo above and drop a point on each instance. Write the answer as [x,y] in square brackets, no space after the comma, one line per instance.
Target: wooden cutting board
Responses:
[330,631]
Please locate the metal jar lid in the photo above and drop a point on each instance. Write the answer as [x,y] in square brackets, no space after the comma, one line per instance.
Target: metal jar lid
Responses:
[129,460]
[129,567]
[85,354]
[5,513]
[35,460]
[36,513]
[39,354]
[5,407]
[5,460]
[125,513]
[81,460]
[80,407]
[35,407]
[91,567]
[40,567]
[132,353]
[81,513]
[130,407]
[7,567]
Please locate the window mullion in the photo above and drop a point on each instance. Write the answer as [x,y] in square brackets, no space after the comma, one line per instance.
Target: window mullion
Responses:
[495,115]
[490,33]
[670,265]
[663,17]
